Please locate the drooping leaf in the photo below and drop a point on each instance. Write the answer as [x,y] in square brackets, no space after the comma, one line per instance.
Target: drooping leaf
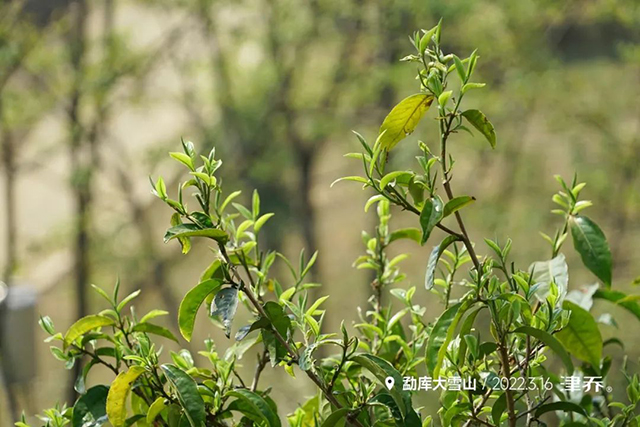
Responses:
[406,233]
[591,243]
[84,325]
[225,305]
[254,407]
[191,303]
[187,393]
[150,328]
[456,204]
[550,342]
[403,119]
[479,121]
[395,175]
[545,272]
[432,213]
[90,406]
[619,298]
[245,330]
[192,230]
[434,256]
[116,407]
[581,337]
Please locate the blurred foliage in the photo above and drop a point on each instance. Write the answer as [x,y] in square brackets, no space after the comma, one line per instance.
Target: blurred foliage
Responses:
[277,85]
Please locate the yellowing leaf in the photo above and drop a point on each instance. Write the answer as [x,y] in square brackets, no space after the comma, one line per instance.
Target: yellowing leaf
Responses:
[403,119]
[85,325]
[117,397]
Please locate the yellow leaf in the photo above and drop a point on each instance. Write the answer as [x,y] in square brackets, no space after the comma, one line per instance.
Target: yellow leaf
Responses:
[118,392]
[84,325]
[403,119]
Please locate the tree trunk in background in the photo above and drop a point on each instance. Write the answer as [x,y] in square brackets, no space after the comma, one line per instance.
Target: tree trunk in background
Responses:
[306,213]
[81,174]
[9,170]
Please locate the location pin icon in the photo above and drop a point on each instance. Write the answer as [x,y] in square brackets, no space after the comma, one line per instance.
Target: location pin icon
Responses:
[389,381]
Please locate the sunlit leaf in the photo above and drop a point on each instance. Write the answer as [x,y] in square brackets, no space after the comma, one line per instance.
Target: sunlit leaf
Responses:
[403,119]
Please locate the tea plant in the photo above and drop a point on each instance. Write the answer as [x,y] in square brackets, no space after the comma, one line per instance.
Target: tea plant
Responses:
[489,353]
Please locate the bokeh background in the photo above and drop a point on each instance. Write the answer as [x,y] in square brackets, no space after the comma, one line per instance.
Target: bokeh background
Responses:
[93,94]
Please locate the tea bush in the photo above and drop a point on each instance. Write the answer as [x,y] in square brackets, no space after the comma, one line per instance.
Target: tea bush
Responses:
[494,372]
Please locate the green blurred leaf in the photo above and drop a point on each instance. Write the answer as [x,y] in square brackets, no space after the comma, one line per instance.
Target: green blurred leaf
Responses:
[150,328]
[435,254]
[561,406]
[406,233]
[619,298]
[156,407]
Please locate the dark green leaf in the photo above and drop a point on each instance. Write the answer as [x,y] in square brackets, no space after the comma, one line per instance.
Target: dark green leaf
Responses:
[335,417]
[187,393]
[441,335]
[192,302]
[253,406]
[430,217]
[591,244]
[282,323]
[619,298]
[435,254]
[91,406]
[498,408]
[560,406]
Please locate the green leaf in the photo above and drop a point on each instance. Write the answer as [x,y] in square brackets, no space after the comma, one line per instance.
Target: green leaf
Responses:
[150,328]
[282,323]
[406,233]
[386,180]
[153,314]
[619,298]
[591,243]
[191,303]
[581,337]
[462,73]
[545,272]
[430,216]
[479,121]
[456,204]
[254,407]
[498,408]
[225,305]
[550,342]
[403,119]
[84,325]
[560,406]
[436,252]
[188,395]
[260,221]
[441,335]
[116,407]
[335,417]
[93,402]
[382,369]
[192,230]
[156,407]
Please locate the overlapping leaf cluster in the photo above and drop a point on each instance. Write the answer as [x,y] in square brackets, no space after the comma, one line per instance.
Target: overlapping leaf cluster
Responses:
[500,324]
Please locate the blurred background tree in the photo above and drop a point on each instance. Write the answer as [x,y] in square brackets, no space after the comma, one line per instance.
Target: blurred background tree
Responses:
[87,88]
